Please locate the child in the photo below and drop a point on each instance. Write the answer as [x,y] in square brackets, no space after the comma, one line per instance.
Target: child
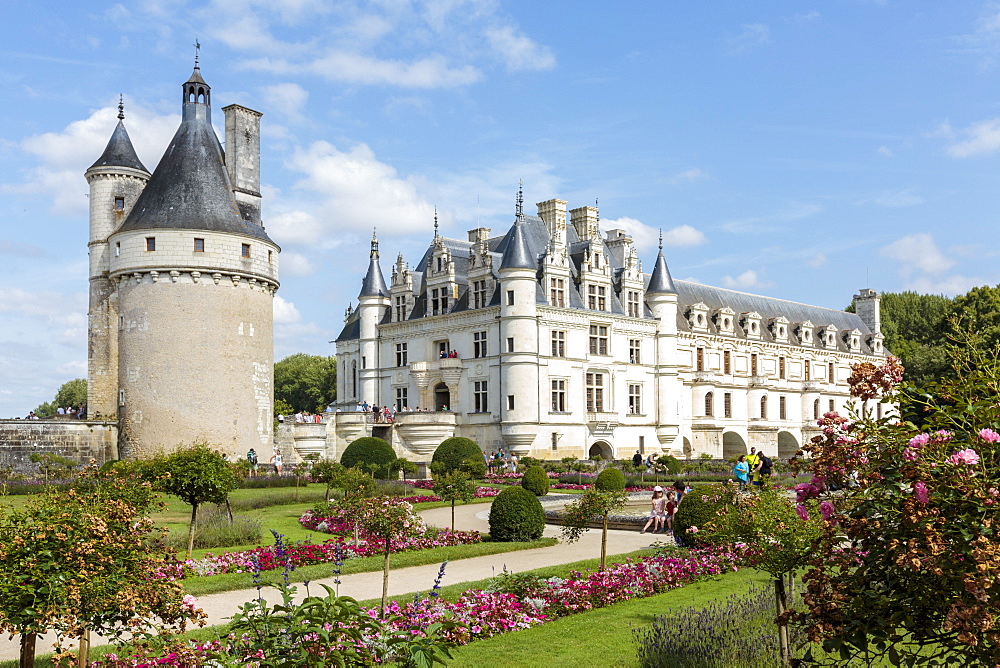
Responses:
[657,512]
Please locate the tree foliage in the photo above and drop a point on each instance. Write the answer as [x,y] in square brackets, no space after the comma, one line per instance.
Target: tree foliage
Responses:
[453,453]
[593,503]
[72,393]
[306,382]
[454,486]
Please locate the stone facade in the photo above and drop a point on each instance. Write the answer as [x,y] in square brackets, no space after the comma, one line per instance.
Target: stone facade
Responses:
[79,440]
[566,347]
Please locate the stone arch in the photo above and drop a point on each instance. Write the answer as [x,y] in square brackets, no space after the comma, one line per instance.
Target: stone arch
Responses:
[733,445]
[442,397]
[602,448]
[788,445]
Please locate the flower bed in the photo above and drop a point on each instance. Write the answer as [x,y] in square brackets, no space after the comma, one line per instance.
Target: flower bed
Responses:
[512,602]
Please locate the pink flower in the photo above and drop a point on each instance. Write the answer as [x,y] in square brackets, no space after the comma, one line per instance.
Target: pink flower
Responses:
[802,511]
[827,510]
[909,454]
[989,435]
[967,456]
[920,440]
[692,529]
[189,603]
[920,491]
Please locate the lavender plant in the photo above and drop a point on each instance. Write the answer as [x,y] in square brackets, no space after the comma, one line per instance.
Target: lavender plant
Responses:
[734,633]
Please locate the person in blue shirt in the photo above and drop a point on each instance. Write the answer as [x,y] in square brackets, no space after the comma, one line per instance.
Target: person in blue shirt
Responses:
[742,472]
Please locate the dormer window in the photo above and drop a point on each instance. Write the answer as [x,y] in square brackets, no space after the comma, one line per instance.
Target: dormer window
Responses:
[698,316]
[751,324]
[779,328]
[853,339]
[805,333]
[875,342]
[725,319]
[828,336]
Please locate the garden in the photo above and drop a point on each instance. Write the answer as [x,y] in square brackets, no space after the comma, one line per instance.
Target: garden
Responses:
[883,552]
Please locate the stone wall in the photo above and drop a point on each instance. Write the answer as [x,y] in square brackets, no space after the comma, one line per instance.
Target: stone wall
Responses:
[79,440]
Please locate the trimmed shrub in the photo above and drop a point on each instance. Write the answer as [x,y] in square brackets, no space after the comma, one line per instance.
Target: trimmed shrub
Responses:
[697,509]
[454,451]
[610,480]
[516,515]
[671,463]
[475,467]
[370,454]
[536,481]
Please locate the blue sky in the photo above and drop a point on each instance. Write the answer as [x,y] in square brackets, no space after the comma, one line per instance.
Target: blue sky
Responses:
[798,150]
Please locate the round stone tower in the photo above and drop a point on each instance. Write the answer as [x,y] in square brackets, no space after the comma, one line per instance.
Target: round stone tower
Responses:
[195,276]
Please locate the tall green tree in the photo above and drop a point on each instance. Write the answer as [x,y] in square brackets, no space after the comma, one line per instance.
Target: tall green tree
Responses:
[306,382]
[71,393]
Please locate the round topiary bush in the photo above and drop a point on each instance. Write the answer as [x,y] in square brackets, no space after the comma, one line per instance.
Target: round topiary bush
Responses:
[697,509]
[536,481]
[671,463]
[453,453]
[368,451]
[610,480]
[516,515]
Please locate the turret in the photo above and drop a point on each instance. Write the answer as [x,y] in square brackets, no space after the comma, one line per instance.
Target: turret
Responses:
[518,287]
[116,180]
[372,303]
[661,296]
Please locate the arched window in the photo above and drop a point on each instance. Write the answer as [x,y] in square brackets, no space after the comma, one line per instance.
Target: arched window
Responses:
[763,408]
[709,405]
[354,378]
[816,409]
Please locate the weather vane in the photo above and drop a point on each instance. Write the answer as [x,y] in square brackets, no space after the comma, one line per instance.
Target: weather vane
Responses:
[197,48]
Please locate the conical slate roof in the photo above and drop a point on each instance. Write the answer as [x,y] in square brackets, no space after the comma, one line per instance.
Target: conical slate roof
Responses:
[660,281]
[190,189]
[119,151]
[374,283]
[517,254]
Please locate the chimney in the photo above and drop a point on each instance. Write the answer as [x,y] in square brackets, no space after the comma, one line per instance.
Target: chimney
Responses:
[243,158]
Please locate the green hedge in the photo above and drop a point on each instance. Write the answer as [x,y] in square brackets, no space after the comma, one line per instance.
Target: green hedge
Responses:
[516,515]
[697,509]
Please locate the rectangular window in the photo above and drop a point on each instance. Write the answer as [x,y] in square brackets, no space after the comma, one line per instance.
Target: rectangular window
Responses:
[831,374]
[557,291]
[597,298]
[400,308]
[510,402]
[595,392]
[782,410]
[558,344]
[444,348]
[781,368]
[555,441]
[364,362]
[634,350]
[635,399]
[727,404]
[510,344]
[642,445]
[435,301]
[558,396]
[119,204]
[121,397]
[118,248]
[753,364]
[478,294]
[592,297]
[700,359]
[150,243]
[598,339]
[833,406]
[510,298]
[806,370]
[634,304]
[245,252]
[401,355]
[401,399]
[270,257]
[121,322]
[480,396]
[199,245]
[479,344]
[727,362]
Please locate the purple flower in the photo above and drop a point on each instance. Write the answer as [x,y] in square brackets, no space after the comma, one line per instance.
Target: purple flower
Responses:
[827,510]
[802,511]
[920,491]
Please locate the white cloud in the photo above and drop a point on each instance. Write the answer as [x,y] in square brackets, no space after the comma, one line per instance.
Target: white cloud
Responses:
[980,138]
[683,236]
[793,211]
[647,237]
[884,151]
[355,68]
[64,156]
[748,279]
[287,98]
[817,260]
[918,254]
[518,51]
[899,198]
[295,264]
[688,176]
[285,312]
[751,36]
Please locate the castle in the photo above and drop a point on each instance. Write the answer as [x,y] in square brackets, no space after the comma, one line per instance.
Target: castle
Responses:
[182,280]
[550,341]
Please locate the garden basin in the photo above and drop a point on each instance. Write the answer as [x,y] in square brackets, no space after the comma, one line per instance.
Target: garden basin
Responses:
[632,517]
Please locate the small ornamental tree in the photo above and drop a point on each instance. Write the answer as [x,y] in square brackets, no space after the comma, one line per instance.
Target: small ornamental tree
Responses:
[80,561]
[578,515]
[369,454]
[326,471]
[454,451]
[536,481]
[390,519]
[908,563]
[196,475]
[516,515]
[452,487]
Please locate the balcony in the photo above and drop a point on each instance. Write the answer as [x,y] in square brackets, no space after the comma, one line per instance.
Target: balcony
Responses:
[758,381]
[704,376]
[602,421]
[811,386]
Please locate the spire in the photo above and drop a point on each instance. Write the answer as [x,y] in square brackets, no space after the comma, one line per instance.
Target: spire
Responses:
[119,151]
[374,283]
[435,222]
[660,282]
[517,254]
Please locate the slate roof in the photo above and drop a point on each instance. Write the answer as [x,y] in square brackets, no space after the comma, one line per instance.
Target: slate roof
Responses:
[373,284]
[517,254]
[119,151]
[660,282]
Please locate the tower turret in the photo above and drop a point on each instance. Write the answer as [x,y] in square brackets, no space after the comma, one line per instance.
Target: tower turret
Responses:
[661,296]
[372,303]
[116,180]
[518,287]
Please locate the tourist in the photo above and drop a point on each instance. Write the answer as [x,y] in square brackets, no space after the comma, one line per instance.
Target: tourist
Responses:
[650,463]
[278,462]
[513,463]
[753,460]
[764,470]
[656,513]
[637,459]
[252,459]
[742,472]
[673,500]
